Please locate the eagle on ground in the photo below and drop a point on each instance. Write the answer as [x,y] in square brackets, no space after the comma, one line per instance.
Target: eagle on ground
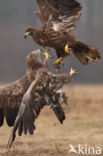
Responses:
[22,101]
[58,18]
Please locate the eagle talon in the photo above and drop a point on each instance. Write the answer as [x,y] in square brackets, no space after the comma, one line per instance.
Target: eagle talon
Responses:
[66,48]
[73,72]
[47,53]
[59,61]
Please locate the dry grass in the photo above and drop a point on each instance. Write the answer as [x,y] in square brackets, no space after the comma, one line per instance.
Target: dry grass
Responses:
[83,125]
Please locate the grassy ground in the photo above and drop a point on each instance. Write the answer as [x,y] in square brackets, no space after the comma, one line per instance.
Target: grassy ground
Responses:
[83,125]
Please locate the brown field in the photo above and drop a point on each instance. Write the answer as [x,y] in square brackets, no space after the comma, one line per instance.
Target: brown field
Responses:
[83,125]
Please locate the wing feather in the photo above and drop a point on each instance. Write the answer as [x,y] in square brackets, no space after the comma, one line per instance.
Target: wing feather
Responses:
[59,14]
[10,100]
[20,129]
[1,116]
[45,90]
[25,118]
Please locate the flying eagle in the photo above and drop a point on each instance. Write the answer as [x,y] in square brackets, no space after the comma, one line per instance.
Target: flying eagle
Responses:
[58,18]
[44,90]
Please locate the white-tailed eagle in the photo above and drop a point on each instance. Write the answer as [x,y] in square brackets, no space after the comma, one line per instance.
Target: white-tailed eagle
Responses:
[25,98]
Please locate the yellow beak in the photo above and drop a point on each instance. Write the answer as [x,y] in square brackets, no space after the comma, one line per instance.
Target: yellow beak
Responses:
[26,34]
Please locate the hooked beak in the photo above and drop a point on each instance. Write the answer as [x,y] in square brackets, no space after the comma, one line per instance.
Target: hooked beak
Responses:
[26,34]
[39,52]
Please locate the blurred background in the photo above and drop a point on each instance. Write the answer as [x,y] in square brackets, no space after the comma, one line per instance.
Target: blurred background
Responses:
[84,112]
[15,16]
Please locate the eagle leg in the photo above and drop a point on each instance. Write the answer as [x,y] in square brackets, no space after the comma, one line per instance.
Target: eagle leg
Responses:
[58,62]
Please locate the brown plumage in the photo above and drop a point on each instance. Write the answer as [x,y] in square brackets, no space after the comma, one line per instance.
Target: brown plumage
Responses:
[58,17]
[44,90]
[11,94]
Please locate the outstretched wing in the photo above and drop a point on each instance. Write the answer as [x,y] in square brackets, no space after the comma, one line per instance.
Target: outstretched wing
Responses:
[59,14]
[10,100]
[28,112]
[45,90]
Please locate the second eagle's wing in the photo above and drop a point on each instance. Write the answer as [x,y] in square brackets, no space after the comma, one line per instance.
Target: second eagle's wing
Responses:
[28,112]
[10,100]
[43,91]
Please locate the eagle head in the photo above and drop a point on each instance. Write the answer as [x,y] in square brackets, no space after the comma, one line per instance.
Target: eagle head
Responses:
[28,32]
[33,59]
